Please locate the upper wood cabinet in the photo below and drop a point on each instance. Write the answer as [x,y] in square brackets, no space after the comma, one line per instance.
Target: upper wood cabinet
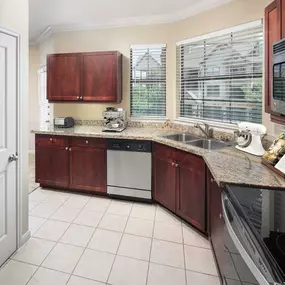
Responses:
[274,31]
[85,77]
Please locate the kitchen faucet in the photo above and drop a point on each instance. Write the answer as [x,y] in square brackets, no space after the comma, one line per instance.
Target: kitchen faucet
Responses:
[207,131]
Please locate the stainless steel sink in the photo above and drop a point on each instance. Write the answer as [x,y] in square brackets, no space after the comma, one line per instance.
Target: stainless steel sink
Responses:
[181,137]
[208,144]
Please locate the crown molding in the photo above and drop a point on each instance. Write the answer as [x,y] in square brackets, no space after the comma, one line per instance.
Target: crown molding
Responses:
[198,8]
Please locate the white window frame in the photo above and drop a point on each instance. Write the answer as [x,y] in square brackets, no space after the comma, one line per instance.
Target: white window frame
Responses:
[218,125]
[149,118]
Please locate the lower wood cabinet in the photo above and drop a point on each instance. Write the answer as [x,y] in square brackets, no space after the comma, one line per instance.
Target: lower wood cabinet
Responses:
[179,184]
[75,163]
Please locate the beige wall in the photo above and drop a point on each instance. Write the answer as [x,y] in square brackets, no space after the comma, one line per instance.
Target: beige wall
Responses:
[34,63]
[14,16]
[225,16]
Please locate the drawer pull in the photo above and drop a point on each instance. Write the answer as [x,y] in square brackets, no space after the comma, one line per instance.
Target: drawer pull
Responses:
[69,149]
[66,148]
[87,142]
[50,139]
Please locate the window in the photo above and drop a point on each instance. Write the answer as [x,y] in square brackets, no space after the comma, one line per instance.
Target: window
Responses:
[219,76]
[45,106]
[148,81]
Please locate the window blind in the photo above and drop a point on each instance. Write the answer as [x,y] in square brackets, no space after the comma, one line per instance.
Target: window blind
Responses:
[45,108]
[148,81]
[219,77]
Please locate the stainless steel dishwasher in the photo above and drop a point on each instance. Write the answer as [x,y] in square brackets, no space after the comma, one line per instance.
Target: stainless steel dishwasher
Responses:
[129,168]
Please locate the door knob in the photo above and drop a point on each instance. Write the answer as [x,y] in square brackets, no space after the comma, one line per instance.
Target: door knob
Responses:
[12,158]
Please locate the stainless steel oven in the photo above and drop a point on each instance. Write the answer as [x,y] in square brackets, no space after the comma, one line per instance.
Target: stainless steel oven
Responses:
[254,236]
[278,78]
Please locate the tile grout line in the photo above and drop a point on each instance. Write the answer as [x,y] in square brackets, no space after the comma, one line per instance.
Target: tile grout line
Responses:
[147,274]
[116,254]
[87,242]
[184,255]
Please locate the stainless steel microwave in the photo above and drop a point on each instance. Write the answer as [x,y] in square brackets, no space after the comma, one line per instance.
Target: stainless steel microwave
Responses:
[278,78]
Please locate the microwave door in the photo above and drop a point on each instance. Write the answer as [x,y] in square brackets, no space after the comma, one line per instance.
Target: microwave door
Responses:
[278,93]
[232,223]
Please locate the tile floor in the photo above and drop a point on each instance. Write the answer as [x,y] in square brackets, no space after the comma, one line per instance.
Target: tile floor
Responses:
[83,240]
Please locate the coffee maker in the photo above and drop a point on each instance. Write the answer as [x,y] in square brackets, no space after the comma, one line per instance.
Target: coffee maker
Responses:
[115,120]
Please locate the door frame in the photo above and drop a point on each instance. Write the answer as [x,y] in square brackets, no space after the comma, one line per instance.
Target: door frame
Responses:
[21,238]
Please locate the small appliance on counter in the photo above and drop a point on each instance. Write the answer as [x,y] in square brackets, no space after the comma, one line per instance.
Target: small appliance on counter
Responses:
[249,138]
[64,122]
[115,120]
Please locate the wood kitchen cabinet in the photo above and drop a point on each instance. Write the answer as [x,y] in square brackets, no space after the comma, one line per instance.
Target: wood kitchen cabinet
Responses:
[88,165]
[64,77]
[274,22]
[215,218]
[84,77]
[72,163]
[179,184]
[52,160]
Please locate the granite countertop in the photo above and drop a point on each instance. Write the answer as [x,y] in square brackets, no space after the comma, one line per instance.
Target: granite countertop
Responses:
[227,165]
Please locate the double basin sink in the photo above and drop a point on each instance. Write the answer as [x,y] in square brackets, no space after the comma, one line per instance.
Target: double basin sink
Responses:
[193,140]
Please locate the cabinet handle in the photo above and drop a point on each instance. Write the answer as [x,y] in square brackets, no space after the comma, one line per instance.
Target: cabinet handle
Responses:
[176,165]
[69,149]
[172,163]
[221,216]
[87,142]
[66,148]
[81,98]
[78,97]
[213,180]
[50,139]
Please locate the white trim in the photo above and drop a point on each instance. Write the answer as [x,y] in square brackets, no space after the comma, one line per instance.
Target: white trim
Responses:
[213,124]
[199,7]
[148,119]
[32,151]
[24,238]
[234,29]
[148,46]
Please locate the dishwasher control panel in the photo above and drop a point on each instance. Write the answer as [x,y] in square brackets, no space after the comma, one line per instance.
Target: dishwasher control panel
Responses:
[129,145]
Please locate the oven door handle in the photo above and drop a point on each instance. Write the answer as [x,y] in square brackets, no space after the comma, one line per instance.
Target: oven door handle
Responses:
[247,259]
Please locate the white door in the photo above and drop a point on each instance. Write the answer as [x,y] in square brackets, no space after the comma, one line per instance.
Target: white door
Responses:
[8,144]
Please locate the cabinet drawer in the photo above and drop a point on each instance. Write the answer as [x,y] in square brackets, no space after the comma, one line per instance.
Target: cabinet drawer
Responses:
[88,142]
[164,151]
[45,140]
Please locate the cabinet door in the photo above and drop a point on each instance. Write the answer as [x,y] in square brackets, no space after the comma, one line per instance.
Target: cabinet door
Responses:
[64,77]
[191,188]
[272,34]
[216,222]
[100,77]
[164,182]
[88,169]
[52,165]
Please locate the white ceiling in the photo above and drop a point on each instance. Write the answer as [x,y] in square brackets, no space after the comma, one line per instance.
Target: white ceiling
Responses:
[64,15]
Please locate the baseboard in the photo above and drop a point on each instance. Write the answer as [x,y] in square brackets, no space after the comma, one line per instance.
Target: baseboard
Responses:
[25,237]
[32,151]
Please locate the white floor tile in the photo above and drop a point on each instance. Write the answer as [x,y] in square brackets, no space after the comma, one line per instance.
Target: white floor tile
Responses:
[167,231]
[120,208]
[44,210]
[55,195]
[143,211]
[162,215]
[88,218]
[77,201]
[95,265]
[47,277]
[193,238]
[161,274]
[98,204]
[52,230]
[63,257]
[139,227]
[32,205]
[34,251]
[77,235]
[65,214]
[200,260]
[38,195]
[167,253]
[75,280]
[105,240]
[113,222]
[128,271]
[16,273]
[235,282]
[196,278]
[135,246]
[35,223]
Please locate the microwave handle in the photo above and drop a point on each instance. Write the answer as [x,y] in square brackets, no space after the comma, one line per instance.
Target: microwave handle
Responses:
[251,265]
